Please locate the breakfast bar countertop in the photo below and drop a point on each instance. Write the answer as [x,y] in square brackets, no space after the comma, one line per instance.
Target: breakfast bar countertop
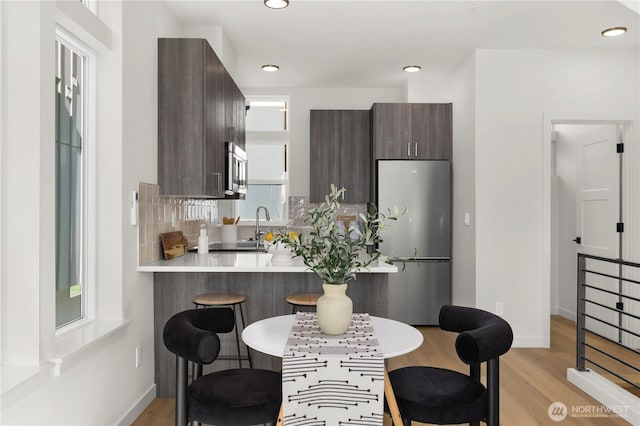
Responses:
[238,262]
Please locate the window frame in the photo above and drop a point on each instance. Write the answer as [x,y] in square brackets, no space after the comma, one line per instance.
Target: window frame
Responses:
[272,99]
[88,182]
[270,137]
[251,221]
[92,5]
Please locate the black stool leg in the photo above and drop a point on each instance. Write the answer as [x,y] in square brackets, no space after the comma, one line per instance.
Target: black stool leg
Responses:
[235,318]
[181,391]
[248,348]
[293,309]
[196,369]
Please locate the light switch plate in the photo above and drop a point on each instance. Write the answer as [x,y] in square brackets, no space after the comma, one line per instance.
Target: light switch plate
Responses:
[134,208]
[467,219]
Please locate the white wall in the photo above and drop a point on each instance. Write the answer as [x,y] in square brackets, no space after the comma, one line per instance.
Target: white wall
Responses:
[513,90]
[25,241]
[463,257]
[139,112]
[219,43]
[424,88]
[303,100]
[102,385]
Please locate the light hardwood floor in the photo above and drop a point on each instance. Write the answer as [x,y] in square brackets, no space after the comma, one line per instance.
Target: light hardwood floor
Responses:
[530,379]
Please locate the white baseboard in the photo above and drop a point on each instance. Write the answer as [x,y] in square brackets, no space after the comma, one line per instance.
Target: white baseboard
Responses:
[138,407]
[607,393]
[565,313]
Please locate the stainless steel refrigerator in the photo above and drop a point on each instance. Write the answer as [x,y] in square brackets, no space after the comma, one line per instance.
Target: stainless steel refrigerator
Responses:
[422,238]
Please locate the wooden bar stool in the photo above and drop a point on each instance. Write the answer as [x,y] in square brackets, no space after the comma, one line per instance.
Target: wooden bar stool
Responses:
[302,299]
[226,299]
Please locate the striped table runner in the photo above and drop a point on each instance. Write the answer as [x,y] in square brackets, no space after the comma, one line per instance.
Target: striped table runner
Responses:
[332,380]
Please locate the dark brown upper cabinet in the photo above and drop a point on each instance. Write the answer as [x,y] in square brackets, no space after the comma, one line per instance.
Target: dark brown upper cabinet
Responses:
[411,131]
[340,154]
[198,111]
[235,112]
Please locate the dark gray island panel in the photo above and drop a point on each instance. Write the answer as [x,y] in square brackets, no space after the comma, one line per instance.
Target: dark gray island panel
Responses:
[266,294]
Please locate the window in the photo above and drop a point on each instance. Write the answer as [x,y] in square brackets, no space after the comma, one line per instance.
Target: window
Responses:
[268,115]
[71,181]
[268,182]
[267,151]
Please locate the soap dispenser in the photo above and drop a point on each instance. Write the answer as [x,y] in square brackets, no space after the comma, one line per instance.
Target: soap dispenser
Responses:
[203,240]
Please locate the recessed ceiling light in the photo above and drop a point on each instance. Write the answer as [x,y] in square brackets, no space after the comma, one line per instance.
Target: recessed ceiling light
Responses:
[614,32]
[412,68]
[270,68]
[276,4]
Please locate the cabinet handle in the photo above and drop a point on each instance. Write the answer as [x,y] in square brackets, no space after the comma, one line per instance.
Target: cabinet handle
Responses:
[416,149]
[408,149]
[285,158]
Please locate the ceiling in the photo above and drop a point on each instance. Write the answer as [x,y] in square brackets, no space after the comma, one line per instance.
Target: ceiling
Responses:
[363,43]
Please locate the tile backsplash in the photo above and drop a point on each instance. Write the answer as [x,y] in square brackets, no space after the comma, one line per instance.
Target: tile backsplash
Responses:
[159,214]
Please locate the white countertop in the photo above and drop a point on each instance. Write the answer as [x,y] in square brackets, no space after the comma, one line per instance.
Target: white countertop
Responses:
[238,262]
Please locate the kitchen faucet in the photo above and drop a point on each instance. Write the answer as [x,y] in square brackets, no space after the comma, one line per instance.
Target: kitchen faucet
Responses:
[259,233]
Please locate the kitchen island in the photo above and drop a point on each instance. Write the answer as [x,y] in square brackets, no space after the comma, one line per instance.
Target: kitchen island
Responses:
[266,287]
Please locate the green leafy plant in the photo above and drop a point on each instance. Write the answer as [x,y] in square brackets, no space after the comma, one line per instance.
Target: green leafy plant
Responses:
[334,253]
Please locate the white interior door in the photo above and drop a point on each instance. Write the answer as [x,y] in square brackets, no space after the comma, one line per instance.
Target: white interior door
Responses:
[597,210]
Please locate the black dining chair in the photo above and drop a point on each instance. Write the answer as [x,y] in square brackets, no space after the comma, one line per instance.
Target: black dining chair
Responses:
[235,397]
[440,396]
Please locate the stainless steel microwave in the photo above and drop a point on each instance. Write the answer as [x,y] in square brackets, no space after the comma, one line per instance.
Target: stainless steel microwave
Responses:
[235,171]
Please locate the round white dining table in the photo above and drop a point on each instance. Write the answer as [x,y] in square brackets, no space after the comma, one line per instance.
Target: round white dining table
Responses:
[395,338]
[270,335]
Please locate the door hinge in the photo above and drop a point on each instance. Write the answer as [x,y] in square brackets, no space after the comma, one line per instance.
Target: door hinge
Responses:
[620,148]
[620,306]
[620,227]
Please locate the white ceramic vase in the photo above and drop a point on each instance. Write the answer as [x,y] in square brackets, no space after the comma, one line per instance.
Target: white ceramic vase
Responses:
[334,309]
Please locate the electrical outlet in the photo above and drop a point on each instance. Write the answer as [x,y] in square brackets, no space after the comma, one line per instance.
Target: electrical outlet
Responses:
[138,356]
[499,309]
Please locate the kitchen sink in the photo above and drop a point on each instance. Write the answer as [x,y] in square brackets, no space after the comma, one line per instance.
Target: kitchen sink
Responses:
[243,245]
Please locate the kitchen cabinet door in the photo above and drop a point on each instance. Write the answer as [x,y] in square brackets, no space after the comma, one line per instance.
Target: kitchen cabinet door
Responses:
[239,116]
[195,118]
[214,118]
[355,155]
[180,116]
[234,103]
[340,154]
[391,130]
[324,156]
[431,126]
